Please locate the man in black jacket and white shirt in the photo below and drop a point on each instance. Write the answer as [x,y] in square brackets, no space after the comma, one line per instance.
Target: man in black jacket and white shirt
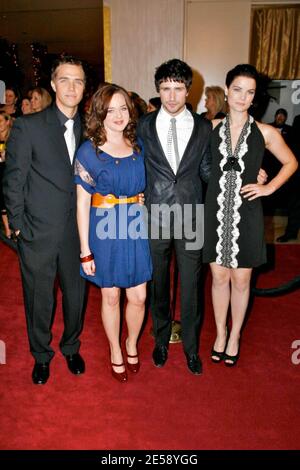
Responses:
[177,162]
[41,202]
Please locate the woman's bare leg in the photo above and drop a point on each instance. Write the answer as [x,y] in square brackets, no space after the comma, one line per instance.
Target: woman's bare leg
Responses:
[240,290]
[135,311]
[220,298]
[110,312]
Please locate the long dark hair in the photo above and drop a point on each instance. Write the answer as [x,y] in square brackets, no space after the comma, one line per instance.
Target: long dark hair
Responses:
[98,111]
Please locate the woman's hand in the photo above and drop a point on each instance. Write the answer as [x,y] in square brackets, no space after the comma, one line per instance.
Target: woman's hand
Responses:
[89,268]
[253,191]
[262,176]
[141,199]
[88,263]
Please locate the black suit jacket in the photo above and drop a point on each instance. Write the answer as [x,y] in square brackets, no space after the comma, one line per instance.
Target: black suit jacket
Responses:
[184,187]
[39,178]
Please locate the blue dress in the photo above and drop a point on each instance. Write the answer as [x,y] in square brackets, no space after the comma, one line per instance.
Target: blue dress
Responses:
[117,236]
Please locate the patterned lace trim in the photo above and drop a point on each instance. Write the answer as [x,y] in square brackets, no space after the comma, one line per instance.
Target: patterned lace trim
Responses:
[229,199]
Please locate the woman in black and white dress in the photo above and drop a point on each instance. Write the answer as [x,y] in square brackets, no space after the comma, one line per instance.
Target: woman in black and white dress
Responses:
[234,225]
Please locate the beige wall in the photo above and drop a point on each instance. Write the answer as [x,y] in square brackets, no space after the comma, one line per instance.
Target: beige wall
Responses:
[216,38]
[144,34]
[211,35]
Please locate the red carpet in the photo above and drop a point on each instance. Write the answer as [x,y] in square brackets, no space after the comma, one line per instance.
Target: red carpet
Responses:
[253,406]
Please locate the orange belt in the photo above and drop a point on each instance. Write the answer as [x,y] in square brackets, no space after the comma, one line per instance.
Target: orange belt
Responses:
[98,200]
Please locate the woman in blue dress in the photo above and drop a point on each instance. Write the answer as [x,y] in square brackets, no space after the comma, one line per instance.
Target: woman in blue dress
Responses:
[110,175]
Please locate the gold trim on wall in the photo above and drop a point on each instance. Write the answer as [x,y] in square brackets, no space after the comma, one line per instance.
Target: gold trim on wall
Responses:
[107,44]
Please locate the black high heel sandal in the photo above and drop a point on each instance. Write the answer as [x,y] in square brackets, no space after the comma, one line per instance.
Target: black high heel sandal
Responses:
[233,359]
[217,354]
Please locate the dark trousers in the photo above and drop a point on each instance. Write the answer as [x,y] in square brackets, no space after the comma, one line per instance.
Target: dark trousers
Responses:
[45,252]
[189,266]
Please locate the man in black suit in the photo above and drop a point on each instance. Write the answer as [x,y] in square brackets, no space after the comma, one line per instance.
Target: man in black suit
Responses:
[272,166]
[177,162]
[289,193]
[41,203]
[279,122]
[293,190]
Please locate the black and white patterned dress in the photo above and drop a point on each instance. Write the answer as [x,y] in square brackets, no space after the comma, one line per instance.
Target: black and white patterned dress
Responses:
[234,226]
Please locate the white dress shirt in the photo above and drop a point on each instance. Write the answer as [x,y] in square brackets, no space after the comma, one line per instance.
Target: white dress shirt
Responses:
[184,127]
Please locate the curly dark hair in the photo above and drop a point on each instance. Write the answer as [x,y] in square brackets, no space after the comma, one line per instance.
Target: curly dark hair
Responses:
[94,127]
[174,70]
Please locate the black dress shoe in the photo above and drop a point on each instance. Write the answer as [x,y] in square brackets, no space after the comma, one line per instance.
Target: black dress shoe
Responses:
[160,355]
[40,373]
[194,363]
[75,363]
[286,237]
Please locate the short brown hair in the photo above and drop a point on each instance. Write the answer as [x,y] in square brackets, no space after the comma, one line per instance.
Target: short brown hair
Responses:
[65,59]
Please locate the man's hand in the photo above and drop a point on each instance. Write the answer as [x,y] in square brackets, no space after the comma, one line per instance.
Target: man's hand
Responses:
[262,177]
[15,234]
[141,199]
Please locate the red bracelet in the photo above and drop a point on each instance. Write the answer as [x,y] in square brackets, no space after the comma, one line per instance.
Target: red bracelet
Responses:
[87,258]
